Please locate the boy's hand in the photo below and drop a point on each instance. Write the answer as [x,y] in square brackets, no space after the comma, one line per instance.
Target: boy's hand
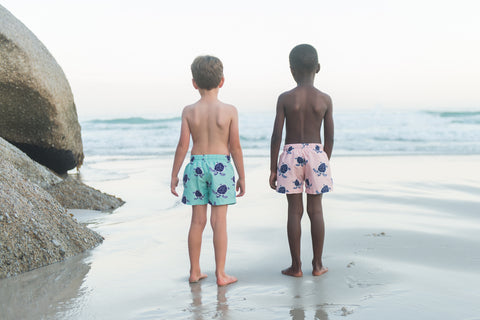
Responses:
[241,187]
[173,186]
[273,180]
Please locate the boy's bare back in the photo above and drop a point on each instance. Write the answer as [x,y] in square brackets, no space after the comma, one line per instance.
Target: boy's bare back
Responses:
[305,108]
[210,123]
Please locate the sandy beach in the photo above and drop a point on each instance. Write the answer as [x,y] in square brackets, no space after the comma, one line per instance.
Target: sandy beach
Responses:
[402,242]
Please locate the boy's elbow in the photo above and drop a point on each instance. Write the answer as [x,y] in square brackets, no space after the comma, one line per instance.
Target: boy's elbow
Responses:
[328,143]
[236,149]
[182,147]
[329,140]
[276,139]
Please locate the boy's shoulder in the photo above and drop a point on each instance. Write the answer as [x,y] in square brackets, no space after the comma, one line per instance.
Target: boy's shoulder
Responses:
[312,91]
[227,110]
[219,107]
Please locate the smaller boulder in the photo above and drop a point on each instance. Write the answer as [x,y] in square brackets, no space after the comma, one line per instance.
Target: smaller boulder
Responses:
[35,230]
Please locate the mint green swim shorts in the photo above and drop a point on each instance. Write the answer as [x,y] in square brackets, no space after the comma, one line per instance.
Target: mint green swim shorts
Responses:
[209,179]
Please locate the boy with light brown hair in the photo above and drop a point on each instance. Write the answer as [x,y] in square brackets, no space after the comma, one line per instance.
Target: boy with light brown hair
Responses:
[304,159]
[209,177]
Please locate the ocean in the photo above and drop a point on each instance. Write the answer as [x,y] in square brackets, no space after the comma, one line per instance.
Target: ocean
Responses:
[372,132]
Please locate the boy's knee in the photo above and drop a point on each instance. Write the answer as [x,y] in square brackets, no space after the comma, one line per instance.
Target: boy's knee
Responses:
[314,212]
[200,222]
[217,222]
[297,212]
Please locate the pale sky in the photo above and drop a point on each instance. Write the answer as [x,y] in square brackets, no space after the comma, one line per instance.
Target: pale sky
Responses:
[132,58]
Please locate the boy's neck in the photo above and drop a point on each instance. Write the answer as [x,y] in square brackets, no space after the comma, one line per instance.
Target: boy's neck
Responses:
[211,94]
[305,80]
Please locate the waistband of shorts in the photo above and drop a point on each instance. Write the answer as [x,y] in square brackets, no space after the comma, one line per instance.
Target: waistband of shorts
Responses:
[210,157]
[301,146]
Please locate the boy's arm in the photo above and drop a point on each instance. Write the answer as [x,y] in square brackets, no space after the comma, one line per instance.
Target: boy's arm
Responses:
[276,141]
[328,129]
[236,151]
[182,149]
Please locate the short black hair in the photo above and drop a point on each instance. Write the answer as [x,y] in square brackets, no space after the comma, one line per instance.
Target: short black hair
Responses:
[207,71]
[304,58]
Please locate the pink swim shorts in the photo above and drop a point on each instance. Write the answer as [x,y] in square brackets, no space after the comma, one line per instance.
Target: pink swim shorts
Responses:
[302,163]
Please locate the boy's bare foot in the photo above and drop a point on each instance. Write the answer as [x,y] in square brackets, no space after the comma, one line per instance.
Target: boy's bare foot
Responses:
[195,278]
[319,272]
[225,280]
[292,272]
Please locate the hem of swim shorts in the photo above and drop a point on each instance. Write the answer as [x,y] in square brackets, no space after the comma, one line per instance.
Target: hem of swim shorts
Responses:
[194,204]
[296,192]
[223,204]
[318,193]
[213,205]
[290,192]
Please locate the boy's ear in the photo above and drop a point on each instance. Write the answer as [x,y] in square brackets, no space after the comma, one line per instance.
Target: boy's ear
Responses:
[221,82]
[318,68]
[194,84]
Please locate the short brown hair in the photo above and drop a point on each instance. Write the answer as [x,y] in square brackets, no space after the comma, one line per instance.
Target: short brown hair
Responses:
[207,71]
[304,58]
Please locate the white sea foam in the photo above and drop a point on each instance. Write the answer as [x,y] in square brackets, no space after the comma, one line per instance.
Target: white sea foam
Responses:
[374,132]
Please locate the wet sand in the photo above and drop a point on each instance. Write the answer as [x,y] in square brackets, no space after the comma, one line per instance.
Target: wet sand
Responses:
[402,239]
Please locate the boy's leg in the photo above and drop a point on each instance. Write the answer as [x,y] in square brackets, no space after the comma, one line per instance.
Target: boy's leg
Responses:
[317,225]
[294,232]
[218,220]
[199,220]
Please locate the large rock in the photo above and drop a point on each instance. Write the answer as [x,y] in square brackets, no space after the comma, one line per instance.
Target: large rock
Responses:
[31,170]
[37,111]
[73,194]
[35,230]
[69,192]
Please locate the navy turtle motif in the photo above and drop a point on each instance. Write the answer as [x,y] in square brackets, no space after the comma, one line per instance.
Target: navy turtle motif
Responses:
[301,161]
[289,150]
[318,149]
[185,179]
[282,189]
[218,169]
[283,169]
[221,191]
[184,200]
[322,168]
[308,185]
[198,195]
[199,172]
[297,184]
[325,189]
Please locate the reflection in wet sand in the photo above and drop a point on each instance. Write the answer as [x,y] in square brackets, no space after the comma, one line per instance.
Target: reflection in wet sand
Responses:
[301,294]
[54,291]
[222,303]
[201,311]
[197,308]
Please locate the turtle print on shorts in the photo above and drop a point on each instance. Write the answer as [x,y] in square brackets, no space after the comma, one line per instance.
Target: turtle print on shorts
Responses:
[209,179]
[304,163]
